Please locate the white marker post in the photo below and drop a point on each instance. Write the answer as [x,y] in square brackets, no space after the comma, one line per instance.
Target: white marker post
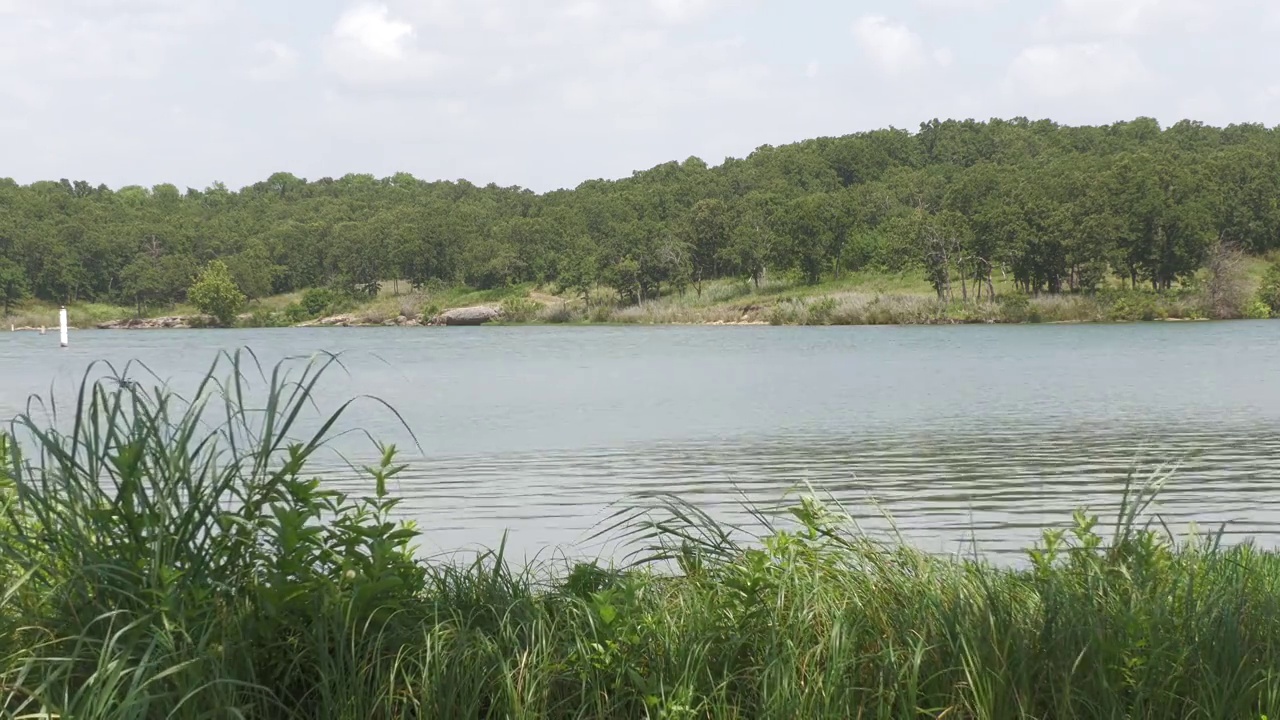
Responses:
[62,326]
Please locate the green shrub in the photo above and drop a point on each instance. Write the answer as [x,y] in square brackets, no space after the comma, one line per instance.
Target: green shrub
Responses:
[318,302]
[215,293]
[266,318]
[295,313]
[1257,310]
[1015,306]
[1269,292]
[520,310]
[1132,306]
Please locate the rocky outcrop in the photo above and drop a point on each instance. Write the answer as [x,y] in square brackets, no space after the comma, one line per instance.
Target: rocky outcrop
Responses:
[349,320]
[402,320]
[338,321]
[478,315]
[171,322]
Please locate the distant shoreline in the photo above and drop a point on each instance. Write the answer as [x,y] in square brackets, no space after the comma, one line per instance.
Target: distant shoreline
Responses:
[146,327]
[872,299]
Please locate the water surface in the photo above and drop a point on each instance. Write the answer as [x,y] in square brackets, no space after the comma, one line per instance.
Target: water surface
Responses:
[960,434]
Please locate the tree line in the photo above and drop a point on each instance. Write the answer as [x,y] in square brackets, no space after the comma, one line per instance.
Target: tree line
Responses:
[1054,208]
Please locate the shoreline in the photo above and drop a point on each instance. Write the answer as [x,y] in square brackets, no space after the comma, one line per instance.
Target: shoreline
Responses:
[144,324]
[847,308]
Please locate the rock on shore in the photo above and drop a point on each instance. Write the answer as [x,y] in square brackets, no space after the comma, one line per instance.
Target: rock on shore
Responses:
[171,322]
[350,320]
[478,315]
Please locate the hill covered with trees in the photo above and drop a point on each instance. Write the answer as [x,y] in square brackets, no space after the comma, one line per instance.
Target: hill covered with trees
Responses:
[1054,209]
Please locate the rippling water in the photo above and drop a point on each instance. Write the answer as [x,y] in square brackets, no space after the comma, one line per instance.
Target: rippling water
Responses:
[961,435]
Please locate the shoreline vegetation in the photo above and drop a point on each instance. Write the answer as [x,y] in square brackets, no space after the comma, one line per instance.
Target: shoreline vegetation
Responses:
[869,298]
[163,558]
[960,221]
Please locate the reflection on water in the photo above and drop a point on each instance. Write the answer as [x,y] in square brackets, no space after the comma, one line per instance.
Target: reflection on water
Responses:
[961,435]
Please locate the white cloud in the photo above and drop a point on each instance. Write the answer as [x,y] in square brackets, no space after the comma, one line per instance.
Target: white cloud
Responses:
[549,92]
[1077,70]
[371,29]
[892,46]
[370,47]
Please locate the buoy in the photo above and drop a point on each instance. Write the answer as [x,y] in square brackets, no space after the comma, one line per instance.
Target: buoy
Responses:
[62,326]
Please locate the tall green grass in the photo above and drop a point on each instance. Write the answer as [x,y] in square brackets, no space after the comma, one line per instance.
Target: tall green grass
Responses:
[170,557]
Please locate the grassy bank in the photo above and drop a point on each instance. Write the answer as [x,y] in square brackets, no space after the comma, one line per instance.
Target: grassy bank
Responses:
[864,298]
[166,559]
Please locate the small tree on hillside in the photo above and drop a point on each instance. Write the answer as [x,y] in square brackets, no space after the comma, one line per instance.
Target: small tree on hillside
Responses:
[215,293]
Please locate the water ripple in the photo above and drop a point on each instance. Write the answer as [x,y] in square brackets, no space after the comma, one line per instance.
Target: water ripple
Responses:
[998,490]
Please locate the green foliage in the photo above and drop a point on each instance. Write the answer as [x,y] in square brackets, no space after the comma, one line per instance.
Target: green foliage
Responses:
[1016,306]
[265,318]
[154,278]
[1258,310]
[1269,293]
[1133,306]
[1056,209]
[520,310]
[430,310]
[253,271]
[187,561]
[215,293]
[13,284]
[316,302]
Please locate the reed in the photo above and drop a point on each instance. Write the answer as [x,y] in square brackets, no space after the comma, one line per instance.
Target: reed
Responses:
[169,557]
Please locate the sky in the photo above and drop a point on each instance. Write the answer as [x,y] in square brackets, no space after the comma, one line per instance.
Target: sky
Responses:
[548,93]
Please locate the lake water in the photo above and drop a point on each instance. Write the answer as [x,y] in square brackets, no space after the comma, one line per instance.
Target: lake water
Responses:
[961,434]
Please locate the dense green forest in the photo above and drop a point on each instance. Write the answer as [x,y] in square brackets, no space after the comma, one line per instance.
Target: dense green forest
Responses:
[1054,208]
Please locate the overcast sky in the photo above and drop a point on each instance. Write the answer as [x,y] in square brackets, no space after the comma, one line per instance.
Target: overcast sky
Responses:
[547,93]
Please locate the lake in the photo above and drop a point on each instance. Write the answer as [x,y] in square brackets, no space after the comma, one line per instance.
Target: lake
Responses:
[963,435]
